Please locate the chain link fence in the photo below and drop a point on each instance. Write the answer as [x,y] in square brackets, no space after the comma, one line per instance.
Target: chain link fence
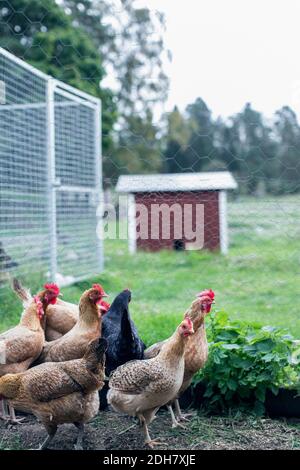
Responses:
[50,176]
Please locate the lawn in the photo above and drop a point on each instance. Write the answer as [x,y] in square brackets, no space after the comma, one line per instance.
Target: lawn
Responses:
[258,281]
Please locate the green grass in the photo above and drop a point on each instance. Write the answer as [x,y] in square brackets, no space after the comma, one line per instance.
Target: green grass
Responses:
[258,280]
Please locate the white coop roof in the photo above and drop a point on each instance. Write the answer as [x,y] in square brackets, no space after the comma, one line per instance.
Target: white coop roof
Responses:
[210,181]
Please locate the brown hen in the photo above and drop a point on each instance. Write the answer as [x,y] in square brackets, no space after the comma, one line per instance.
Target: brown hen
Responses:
[140,387]
[73,344]
[21,346]
[196,351]
[58,393]
[61,317]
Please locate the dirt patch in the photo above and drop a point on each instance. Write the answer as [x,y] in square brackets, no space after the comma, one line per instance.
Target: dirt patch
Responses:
[111,432]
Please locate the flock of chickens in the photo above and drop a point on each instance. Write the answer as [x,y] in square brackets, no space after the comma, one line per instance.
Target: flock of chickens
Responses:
[55,361]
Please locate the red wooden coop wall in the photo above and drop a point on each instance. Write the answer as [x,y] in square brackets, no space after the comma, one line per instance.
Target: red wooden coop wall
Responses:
[211,216]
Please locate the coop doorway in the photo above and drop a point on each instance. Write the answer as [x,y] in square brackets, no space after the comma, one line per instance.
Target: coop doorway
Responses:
[178,245]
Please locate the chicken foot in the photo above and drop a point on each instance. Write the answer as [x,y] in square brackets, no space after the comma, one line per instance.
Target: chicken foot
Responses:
[79,442]
[179,415]
[8,413]
[175,423]
[148,441]
[13,419]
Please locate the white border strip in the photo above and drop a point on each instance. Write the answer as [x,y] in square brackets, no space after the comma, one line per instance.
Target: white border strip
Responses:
[131,224]
[223,225]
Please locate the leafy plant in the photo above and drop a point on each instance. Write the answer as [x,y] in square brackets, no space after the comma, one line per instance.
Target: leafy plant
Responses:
[246,360]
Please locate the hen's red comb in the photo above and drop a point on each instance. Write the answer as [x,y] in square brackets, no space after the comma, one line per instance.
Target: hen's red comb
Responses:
[53,288]
[208,292]
[100,289]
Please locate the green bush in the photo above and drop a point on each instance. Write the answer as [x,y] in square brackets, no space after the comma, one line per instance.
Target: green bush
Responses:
[245,360]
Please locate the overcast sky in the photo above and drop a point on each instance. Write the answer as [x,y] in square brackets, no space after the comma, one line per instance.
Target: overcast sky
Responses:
[233,51]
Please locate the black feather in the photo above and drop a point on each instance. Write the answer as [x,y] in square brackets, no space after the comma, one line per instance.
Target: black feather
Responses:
[124,343]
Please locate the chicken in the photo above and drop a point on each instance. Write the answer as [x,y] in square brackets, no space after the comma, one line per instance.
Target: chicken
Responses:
[124,343]
[21,345]
[74,343]
[139,388]
[196,351]
[58,393]
[61,317]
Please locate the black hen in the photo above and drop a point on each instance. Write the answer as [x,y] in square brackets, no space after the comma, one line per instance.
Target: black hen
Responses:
[124,343]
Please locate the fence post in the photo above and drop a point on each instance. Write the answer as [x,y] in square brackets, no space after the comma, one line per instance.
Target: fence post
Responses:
[50,132]
[98,175]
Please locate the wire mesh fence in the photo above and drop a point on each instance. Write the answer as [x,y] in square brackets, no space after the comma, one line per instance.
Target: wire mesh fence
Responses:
[50,176]
[51,181]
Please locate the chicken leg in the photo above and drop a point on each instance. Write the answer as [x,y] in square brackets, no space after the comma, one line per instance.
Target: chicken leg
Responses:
[8,413]
[4,410]
[51,430]
[179,415]
[175,423]
[79,442]
[148,441]
[13,419]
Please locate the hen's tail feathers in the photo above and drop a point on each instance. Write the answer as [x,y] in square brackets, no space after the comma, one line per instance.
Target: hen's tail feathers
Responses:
[21,291]
[95,352]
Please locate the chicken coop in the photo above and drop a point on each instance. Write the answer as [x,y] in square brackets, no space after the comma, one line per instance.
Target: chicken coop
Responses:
[50,176]
[177,211]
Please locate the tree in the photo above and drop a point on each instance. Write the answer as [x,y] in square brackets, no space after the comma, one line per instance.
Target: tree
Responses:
[254,148]
[201,149]
[130,41]
[288,151]
[227,143]
[43,34]
[176,142]
[137,149]
[245,144]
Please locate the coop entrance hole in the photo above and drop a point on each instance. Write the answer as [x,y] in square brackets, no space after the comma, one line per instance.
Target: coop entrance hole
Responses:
[178,245]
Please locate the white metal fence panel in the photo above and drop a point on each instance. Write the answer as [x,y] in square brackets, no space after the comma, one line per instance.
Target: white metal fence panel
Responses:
[77,190]
[50,177]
